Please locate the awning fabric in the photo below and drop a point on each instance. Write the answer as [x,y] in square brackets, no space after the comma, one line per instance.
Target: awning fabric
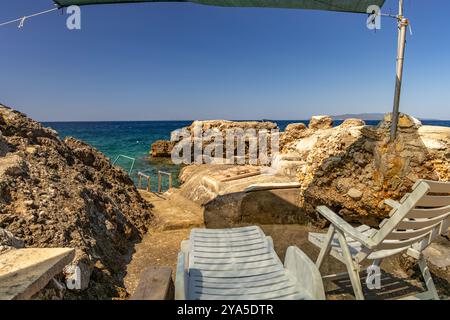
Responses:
[359,6]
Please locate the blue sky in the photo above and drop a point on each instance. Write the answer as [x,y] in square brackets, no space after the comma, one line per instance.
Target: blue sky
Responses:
[174,61]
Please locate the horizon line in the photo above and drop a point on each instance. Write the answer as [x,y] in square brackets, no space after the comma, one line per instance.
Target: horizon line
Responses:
[237,120]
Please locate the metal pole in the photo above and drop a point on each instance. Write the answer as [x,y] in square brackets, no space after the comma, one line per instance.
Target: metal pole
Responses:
[402,26]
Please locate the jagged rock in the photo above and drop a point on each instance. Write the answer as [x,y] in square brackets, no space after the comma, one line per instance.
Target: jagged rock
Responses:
[348,123]
[294,131]
[293,128]
[12,165]
[3,146]
[54,290]
[321,122]
[198,132]
[56,193]
[162,148]
[364,159]
[404,121]
[438,255]
[8,241]
[223,125]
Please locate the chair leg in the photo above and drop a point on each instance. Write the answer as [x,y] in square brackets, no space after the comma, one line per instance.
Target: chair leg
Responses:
[352,268]
[376,262]
[326,247]
[427,278]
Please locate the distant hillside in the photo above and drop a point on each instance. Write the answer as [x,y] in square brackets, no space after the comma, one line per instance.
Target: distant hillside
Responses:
[363,116]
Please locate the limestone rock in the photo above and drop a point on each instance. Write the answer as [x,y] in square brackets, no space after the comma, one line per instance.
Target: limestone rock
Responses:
[355,194]
[435,137]
[223,125]
[348,123]
[295,128]
[8,241]
[438,255]
[209,131]
[293,132]
[332,162]
[404,121]
[162,149]
[321,122]
[12,165]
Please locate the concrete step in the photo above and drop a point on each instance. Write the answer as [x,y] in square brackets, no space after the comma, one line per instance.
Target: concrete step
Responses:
[24,272]
[173,211]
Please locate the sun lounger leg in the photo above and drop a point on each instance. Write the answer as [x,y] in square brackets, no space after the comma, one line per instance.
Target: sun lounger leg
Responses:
[326,247]
[352,268]
[427,278]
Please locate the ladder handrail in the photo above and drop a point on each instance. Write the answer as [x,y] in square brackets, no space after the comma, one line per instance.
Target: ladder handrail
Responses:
[127,157]
[160,174]
[142,175]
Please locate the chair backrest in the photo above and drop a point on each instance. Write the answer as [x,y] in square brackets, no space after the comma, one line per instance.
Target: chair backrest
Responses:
[421,216]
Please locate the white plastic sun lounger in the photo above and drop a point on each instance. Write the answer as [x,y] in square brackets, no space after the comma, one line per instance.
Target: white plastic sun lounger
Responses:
[414,222]
[241,264]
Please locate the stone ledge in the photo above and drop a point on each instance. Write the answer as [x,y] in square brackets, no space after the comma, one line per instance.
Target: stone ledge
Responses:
[24,272]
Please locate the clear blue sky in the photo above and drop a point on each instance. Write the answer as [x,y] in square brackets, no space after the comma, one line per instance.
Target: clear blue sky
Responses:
[176,61]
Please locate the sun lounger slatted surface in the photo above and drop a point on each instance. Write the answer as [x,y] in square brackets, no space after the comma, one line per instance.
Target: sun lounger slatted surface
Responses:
[235,264]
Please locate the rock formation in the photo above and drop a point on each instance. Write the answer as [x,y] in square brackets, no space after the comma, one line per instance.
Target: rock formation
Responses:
[8,241]
[64,193]
[353,168]
[162,148]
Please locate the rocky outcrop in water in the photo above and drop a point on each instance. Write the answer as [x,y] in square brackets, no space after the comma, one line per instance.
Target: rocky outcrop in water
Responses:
[161,149]
[65,193]
[200,129]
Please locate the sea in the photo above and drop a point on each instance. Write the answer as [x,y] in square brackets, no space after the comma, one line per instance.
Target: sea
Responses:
[133,139]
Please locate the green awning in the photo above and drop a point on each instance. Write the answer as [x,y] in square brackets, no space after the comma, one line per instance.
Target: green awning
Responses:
[359,6]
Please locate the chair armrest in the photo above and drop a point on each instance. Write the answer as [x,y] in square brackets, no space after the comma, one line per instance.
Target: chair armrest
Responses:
[345,227]
[392,203]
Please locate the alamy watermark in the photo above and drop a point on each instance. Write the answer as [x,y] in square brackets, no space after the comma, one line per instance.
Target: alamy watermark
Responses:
[73,277]
[73,22]
[373,22]
[373,280]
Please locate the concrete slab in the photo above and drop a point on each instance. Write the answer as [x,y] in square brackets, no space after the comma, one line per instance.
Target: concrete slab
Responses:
[172,211]
[24,272]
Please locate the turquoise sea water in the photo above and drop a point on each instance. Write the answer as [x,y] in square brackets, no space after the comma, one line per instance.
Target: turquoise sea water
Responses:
[134,138]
